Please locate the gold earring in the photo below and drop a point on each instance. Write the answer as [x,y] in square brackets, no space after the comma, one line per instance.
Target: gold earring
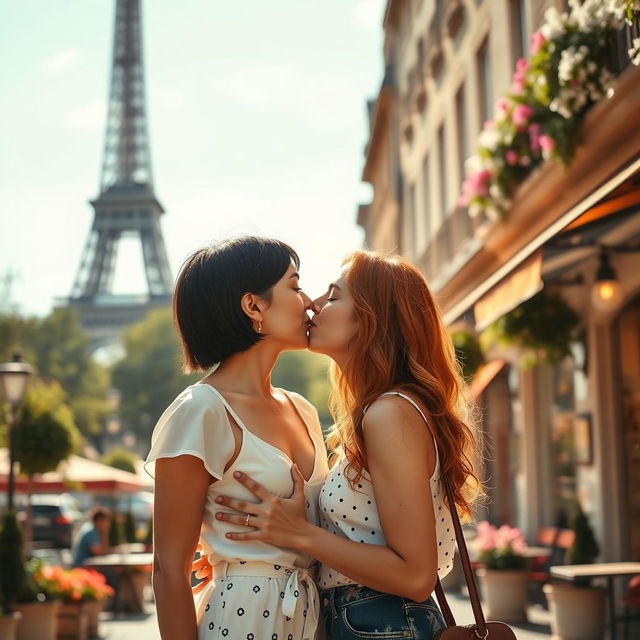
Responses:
[259,327]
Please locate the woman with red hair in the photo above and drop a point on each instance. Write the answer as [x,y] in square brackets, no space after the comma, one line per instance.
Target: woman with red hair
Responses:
[402,421]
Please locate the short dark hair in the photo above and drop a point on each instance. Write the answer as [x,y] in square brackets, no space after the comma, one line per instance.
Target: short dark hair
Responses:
[98,513]
[206,300]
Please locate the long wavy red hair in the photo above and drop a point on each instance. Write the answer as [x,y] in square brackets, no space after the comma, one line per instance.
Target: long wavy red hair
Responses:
[402,344]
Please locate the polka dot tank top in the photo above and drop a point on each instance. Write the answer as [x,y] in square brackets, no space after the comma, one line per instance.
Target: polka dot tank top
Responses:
[353,514]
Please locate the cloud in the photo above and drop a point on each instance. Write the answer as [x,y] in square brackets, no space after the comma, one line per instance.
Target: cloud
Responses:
[368,14]
[90,116]
[61,62]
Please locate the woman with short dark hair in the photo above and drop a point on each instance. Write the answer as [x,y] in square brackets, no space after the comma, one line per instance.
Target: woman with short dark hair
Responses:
[237,306]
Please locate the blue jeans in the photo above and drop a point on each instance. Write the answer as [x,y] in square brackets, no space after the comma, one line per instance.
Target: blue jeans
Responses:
[354,611]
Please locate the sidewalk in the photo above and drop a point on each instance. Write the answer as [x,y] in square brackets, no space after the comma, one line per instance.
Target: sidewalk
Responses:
[145,627]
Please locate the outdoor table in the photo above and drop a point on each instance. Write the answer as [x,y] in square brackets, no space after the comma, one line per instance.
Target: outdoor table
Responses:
[131,547]
[120,562]
[608,570]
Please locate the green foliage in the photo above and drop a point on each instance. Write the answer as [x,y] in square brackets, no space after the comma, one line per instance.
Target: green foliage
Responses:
[305,373]
[149,375]
[116,530]
[15,583]
[59,349]
[129,528]
[46,433]
[121,459]
[468,352]
[584,549]
[543,327]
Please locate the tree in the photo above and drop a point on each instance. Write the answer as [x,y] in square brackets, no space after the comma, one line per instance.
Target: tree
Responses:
[60,349]
[15,585]
[121,459]
[45,434]
[307,374]
[149,374]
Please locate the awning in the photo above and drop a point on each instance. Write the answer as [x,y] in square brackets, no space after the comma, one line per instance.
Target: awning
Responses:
[75,474]
[592,200]
[519,286]
[484,376]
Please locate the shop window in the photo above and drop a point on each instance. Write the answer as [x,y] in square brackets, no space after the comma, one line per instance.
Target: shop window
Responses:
[568,392]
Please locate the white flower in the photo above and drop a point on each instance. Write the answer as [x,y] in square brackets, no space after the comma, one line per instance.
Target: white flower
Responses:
[634,52]
[473,164]
[489,139]
[554,24]
[475,209]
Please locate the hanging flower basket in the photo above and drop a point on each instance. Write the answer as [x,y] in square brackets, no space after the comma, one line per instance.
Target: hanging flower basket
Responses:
[568,71]
[541,328]
[468,352]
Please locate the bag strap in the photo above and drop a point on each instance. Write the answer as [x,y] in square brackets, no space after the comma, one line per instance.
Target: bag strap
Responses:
[481,626]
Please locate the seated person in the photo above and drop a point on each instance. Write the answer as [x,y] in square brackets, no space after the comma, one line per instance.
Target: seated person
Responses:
[93,537]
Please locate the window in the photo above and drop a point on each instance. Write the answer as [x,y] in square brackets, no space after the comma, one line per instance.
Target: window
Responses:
[461,122]
[426,198]
[442,153]
[519,32]
[485,89]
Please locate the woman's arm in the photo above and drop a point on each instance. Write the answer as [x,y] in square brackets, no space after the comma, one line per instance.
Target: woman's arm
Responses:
[401,459]
[177,520]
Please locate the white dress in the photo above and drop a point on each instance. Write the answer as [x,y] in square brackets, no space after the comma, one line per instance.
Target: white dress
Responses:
[354,515]
[259,591]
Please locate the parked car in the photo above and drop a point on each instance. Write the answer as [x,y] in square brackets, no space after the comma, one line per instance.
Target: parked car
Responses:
[55,519]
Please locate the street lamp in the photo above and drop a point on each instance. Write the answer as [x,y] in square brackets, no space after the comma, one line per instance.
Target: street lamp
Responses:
[606,294]
[14,378]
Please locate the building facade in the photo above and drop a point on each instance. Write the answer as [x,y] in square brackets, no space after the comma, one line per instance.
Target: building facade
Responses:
[556,433]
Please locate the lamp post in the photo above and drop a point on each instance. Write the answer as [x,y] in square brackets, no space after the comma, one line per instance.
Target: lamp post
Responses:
[14,378]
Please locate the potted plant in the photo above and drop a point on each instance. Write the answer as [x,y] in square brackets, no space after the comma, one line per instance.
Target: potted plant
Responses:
[8,624]
[541,330]
[578,609]
[468,352]
[81,591]
[68,586]
[18,592]
[503,575]
[94,590]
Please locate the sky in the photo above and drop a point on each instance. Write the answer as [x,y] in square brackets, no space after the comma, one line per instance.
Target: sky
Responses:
[257,121]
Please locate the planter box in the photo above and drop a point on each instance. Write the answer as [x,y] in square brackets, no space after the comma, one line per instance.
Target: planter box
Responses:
[93,609]
[39,620]
[577,613]
[9,625]
[505,593]
[73,621]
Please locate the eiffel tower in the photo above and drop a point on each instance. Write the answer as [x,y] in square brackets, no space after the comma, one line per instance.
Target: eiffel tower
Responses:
[127,204]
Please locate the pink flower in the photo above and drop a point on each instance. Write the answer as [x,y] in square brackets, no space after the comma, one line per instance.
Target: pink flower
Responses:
[500,109]
[511,157]
[536,42]
[521,65]
[517,85]
[489,124]
[521,115]
[546,143]
[534,137]
[475,185]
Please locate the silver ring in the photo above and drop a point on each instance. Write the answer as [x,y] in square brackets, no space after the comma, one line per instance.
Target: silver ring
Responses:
[246,522]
